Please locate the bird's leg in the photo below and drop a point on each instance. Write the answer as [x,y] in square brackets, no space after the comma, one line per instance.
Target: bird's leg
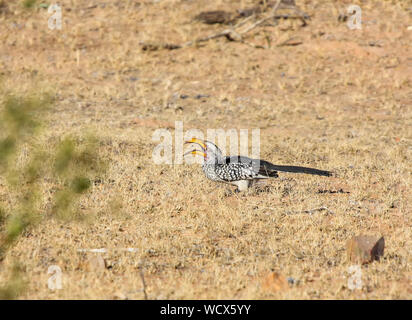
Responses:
[242,185]
[228,192]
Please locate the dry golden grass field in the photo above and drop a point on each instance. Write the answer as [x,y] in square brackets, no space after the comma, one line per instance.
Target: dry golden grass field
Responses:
[323,96]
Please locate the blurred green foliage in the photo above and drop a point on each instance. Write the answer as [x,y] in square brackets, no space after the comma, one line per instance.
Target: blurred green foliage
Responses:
[32,168]
[76,160]
[15,285]
[29,3]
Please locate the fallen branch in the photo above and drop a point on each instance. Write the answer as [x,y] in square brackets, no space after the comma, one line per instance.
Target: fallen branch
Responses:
[290,42]
[223,33]
[230,33]
[258,23]
[233,35]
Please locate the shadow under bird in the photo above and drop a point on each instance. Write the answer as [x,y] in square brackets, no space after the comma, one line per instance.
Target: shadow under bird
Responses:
[243,172]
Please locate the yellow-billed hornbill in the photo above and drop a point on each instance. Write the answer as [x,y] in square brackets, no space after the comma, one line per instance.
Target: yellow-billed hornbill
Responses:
[241,171]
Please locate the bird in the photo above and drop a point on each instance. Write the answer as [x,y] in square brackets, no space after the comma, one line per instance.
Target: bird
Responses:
[241,171]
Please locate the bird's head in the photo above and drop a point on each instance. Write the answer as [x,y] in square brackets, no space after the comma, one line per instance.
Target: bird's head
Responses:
[210,151]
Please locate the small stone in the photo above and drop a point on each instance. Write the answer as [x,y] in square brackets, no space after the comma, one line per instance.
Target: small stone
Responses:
[365,249]
[275,282]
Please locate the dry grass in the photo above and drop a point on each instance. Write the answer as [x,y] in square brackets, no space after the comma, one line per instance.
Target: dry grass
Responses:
[340,101]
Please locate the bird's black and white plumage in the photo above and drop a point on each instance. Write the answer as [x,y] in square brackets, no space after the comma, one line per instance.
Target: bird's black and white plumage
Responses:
[241,171]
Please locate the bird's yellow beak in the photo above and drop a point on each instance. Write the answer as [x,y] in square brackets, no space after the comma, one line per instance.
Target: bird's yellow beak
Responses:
[197,141]
[200,153]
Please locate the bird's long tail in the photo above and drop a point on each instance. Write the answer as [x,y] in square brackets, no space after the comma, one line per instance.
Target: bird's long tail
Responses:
[300,170]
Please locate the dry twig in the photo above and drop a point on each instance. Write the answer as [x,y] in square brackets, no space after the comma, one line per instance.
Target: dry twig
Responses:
[312,211]
[143,283]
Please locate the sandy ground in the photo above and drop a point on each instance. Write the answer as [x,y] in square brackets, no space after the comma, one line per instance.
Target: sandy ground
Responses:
[322,96]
